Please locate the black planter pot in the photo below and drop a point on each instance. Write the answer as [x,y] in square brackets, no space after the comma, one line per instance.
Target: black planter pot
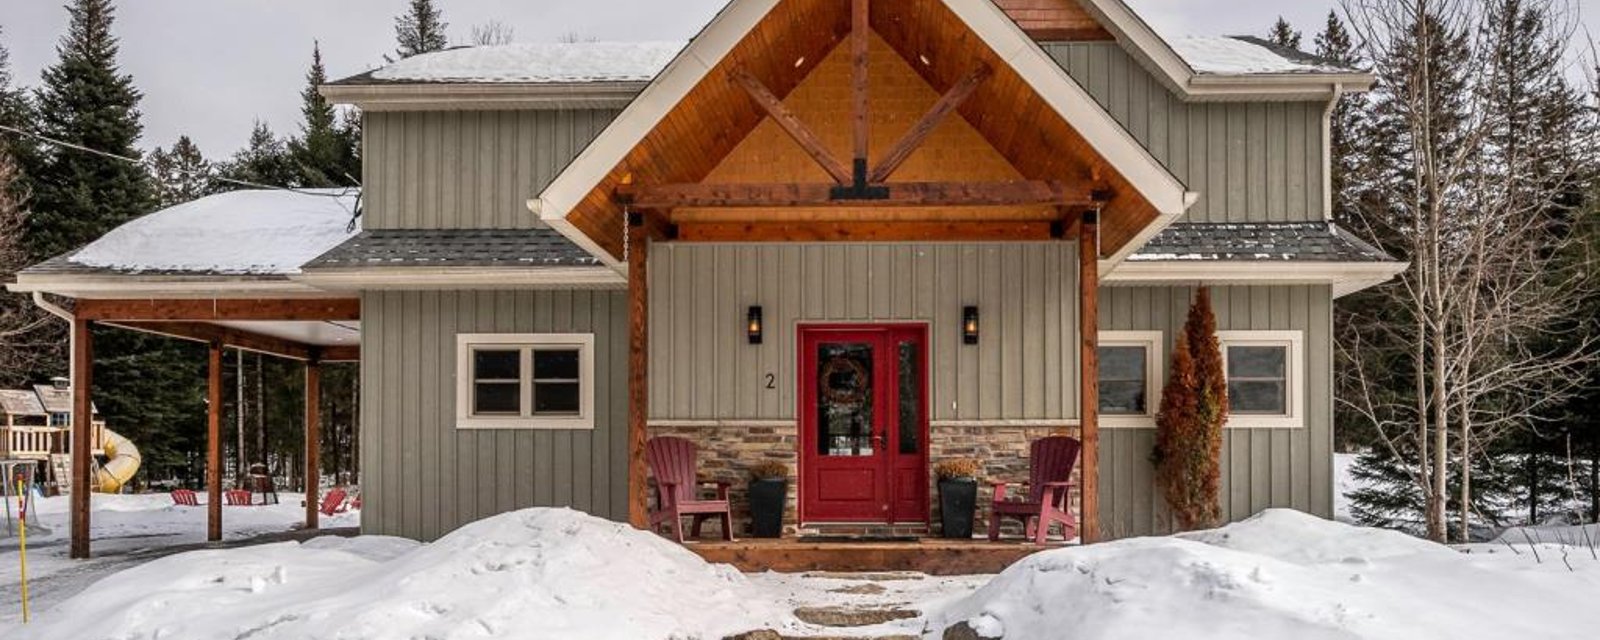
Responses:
[958,500]
[767,498]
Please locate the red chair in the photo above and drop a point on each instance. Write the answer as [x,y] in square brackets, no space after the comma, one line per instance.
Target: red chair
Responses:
[673,463]
[333,502]
[185,498]
[238,498]
[1049,484]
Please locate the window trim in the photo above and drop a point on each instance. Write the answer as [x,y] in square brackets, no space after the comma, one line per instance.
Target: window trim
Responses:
[1294,377]
[526,344]
[1154,343]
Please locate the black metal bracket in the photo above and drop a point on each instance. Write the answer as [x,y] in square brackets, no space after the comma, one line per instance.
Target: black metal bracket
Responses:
[861,189]
[1058,229]
[635,219]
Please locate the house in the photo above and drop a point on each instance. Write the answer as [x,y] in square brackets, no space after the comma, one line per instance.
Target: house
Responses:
[986,216]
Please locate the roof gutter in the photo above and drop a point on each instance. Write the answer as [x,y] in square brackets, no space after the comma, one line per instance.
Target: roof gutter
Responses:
[469,96]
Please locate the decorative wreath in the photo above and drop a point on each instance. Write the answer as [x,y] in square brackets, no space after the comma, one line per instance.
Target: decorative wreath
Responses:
[837,365]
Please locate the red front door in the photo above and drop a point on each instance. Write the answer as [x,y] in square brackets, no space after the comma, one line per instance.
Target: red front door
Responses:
[863,424]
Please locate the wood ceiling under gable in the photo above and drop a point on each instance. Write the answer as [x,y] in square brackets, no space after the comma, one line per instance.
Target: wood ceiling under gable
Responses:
[1054,20]
[787,46]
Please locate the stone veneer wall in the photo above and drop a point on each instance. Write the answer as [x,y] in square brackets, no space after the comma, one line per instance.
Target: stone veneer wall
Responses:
[728,450]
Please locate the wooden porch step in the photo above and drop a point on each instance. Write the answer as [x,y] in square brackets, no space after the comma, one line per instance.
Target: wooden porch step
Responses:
[930,556]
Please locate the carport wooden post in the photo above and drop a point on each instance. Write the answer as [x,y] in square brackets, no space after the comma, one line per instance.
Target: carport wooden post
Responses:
[313,437]
[82,419]
[214,444]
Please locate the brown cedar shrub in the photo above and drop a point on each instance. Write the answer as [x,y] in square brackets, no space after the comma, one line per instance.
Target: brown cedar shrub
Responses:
[1194,407]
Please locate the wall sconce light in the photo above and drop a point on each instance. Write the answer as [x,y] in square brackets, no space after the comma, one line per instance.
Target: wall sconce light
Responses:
[753,324]
[969,325]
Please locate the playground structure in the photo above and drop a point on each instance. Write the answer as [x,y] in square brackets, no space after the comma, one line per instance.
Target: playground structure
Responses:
[37,428]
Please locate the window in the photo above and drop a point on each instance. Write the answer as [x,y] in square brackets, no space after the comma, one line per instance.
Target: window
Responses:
[1130,377]
[1264,373]
[525,381]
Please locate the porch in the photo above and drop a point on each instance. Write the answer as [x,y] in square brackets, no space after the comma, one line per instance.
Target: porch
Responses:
[932,556]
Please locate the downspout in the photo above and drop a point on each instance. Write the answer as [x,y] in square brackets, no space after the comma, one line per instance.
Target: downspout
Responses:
[72,346]
[1327,151]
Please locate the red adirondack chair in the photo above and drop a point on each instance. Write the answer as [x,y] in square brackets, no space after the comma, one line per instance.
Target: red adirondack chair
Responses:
[238,498]
[333,502]
[1049,482]
[185,498]
[672,462]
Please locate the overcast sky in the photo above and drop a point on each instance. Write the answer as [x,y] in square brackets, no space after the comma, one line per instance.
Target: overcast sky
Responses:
[210,67]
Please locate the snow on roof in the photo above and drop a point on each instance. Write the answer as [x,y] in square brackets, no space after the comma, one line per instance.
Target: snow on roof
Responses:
[251,232]
[1234,55]
[537,63]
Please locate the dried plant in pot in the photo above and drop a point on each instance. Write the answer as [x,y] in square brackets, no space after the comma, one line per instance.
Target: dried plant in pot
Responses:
[958,495]
[769,494]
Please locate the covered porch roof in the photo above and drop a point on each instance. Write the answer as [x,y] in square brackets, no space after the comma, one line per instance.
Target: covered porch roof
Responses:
[1066,151]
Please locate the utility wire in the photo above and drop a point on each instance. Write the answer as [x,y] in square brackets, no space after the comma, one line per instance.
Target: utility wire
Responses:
[345,191]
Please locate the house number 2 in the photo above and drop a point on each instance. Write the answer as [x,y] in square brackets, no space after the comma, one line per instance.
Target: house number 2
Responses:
[772,381]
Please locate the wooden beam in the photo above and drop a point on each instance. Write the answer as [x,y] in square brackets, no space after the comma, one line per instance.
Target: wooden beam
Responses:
[82,430]
[913,138]
[638,372]
[313,440]
[860,47]
[839,231]
[1089,371]
[221,309]
[228,336]
[348,353]
[900,194]
[791,124]
[214,443]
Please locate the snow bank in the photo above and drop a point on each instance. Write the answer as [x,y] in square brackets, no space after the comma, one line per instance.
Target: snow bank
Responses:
[1282,574]
[537,573]
[1224,55]
[538,63]
[249,232]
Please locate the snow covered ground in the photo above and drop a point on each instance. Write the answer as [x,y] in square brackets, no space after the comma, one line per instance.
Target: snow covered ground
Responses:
[127,530]
[555,573]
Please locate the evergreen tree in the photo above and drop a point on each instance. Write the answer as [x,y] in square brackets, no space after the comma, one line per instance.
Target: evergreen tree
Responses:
[182,174]
[325,153]
[1284,35]
[421,29]
[264,160]
[13,100]
[85,100]
[1194,408]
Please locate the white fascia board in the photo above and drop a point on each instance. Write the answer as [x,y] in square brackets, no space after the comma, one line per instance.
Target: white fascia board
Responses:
[159,287]
[1175,72]
[1346,277]
[463,278]
[468,96]
[635,122]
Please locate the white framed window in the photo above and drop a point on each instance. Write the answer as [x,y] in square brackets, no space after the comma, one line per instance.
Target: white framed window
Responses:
[1130,377]
[525,381]
[1266,378]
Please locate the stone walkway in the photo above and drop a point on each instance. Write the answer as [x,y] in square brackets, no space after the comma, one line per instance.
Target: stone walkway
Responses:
[860,606]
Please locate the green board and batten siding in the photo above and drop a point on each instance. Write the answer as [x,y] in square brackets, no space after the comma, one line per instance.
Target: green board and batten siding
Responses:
[703,367]
[1261,468]
[1249,161]
[467,169]
[423,476]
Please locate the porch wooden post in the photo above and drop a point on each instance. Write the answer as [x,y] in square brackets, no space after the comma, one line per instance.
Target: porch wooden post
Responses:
[214,444]
[638,368]
[82,421]
[1089,371]
[313,439]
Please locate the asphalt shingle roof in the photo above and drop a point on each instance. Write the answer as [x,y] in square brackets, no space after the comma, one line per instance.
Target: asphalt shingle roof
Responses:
[523,248]
[1258,242]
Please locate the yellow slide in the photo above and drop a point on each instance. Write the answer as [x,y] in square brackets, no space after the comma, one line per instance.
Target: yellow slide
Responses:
[123,462]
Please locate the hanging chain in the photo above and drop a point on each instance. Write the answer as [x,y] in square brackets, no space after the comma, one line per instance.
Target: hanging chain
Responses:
[626,232]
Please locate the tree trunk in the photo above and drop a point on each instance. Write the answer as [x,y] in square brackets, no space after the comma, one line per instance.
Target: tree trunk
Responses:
[1466,481]
[261,415]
